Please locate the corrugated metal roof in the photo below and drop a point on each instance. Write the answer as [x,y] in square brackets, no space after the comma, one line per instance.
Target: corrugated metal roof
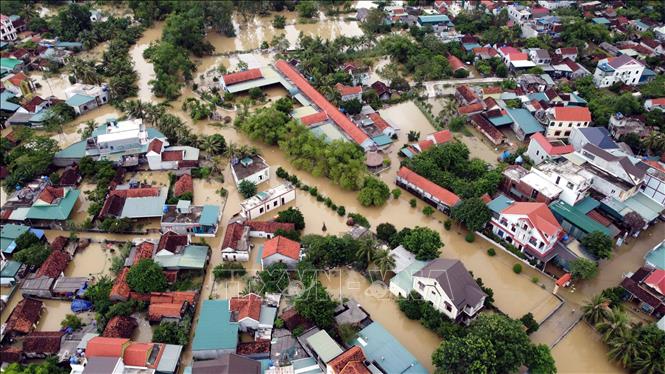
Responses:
[380,346]
[215,329]
[78,100]
[192,257]
[209,215]
[324,346]
[577,218]
[58,212]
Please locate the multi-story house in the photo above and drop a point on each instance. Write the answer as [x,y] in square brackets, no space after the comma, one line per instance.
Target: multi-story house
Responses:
[265,201]
[542,149]
[562,120]
[654,180]
[540,56]
[529,226]
[573,180]
[614,175]
[7,30]
[450,288]
[518,13]
[624,69]
[250,168]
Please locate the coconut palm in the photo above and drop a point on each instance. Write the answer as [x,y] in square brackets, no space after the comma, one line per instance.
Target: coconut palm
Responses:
[655,142]
[385,261]
[627,347]
[597,309]
[133,108]
[213,144]
[84,70]
[614,326]
[88,129]
[649,362]
[366,250]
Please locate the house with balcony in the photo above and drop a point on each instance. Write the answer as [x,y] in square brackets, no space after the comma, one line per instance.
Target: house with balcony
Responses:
[7,29]
[622,69]
[450,288]
[573,180]
[529,226]
[122,142]
[615,175]
[527,186]
[561,120]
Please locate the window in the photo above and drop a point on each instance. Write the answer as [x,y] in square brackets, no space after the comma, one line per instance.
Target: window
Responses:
[504,222]
[261,210]
[448,307]
[274,203]
[558,178]
[537,152]
[525,227]
[533,241]
[569,186]
[557,133]
[513,228]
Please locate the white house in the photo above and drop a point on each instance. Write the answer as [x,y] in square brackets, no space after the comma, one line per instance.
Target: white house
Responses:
[7,30]
[654,180]
[540,56]
[567,52]
[162,157]
[235,245]
[266,201]
[562,120]
[251,168]
[529,226]
[518,13]
[99,94]
[623,69]
[614,175]
[280,250]
[541,149]
[598,136]
[573,180]
[251,313]
[651,104]
[349,92]
[450,288]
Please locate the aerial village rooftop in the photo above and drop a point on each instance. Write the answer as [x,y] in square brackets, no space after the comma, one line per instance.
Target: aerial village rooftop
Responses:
[289,187]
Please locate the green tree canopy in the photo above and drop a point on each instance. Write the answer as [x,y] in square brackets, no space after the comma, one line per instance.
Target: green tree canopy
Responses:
[292,215]
[274,278]
[247,188]
[423,242]
[315,304]
[385,232]
[473,213]
[598,243]
[374,192]
[35,255]
[581,268]
[70,21]
[29,160]
[146,276]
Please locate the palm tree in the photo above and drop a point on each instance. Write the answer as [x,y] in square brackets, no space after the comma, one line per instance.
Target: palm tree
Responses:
[366,250]
[88,129]
[626,348]
[614,326]
[646,363]
[84,70]
[655,142]
[597,309]
[385,261]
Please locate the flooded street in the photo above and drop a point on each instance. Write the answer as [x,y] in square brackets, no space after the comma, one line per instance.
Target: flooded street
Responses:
[582,351]
[381,306]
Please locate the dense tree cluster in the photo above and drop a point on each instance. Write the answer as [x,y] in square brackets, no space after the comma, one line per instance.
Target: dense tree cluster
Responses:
[31,159]
[273,278]
[173,332]
[332,251]
[146,276]
[374,192]
[292,215]
[598,243]
[315,304]
[340,161]
[449,166]
[472,212]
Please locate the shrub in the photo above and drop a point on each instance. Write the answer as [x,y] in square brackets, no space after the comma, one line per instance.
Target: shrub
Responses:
[530,323]
[396,192]
[428,210]
[319,198]
[281,173]
[447,224]
[146,276]
[535,280]
[228,270]
[359,219]
[71,321]
[341,210]
[279,323]
[247,189]
[413,203]
[470,237]
[313,191]
[517,268]
[491,252]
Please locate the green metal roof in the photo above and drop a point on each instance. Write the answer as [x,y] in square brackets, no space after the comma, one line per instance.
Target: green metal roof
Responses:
[324,346]
[378,345]
[78,100]
[646,207]
[10,269]
[209,215]
[9,63]
[382,140]
[58,212]
[306,366]
[657,256]
[499,203]
[8,234]
[525,120]
[192,257]
[577,218]
[434,18]
[404,279]
[215,329]
[587,204]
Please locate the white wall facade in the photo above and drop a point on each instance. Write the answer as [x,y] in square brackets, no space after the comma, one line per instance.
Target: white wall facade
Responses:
[277,258]
[628,73]
[270,204]
[563,129]
[517,230]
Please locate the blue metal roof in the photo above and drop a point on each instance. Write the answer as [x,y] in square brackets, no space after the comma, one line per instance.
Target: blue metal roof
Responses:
[499,203]
[382,140]
[209,215]
[215,329]
[8,105]
[599,136]
[526,122]
[501,120]
[78,100]
[471,46]
[601,21]
[587,204]
[378,345]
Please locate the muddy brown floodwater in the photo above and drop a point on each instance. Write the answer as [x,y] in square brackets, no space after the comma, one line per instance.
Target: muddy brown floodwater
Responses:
[582,351]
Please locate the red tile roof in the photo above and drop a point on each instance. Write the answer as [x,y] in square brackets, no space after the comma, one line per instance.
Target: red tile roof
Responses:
[572,113]
[658,101]
[232,235]
[172,155]
[120,327]
[352,355]
[25,314]
[269,226]
[100,346]
[155,146]
[137,192]
[183,184]
[59,243]
[11,354]
[455,63]
[283,246]
[17,78]
[171,241]
[425,144]
[120,289]
[379,122]
[55,264]
[161,310]
[348,90]
[340,119]
[144,251]
[50,194]
[549,147]
[443,136]
[137,354]
[485,50]
[467,93]
[518,56]
[428,186]
[471,108]
[313,118]
[45,342]
[656,280]
[539,214]
[173,297]
[248,306]
[242,76]
[256,347]
[492,90]
[568,51]
[31,105]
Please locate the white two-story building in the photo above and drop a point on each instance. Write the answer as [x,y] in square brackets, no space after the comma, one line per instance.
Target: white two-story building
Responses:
[7,30]
[623,69]
[450,288]
[529,226]
[561,120]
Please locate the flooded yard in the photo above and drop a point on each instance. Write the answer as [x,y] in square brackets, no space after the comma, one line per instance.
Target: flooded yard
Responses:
[54,312]
[94,261]
[582,351]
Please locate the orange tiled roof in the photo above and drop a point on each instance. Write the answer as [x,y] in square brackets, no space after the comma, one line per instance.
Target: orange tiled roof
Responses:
[144,251]
[183,184]
[173,297]
[120,327]
[283,246]
[471,108]
[442,136]
[455,63]
[538,213]
[269,226]
[248,306]
[17,78]
[345,362]
[24,316]
[242,76]
[55,264]
[120,287]
[50,194]
[379,122]
[348,90]
[172,156]
[313,118]
[428,186]
[136,354]
[160,310]
[105,347]
[572,113]
[137,192]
